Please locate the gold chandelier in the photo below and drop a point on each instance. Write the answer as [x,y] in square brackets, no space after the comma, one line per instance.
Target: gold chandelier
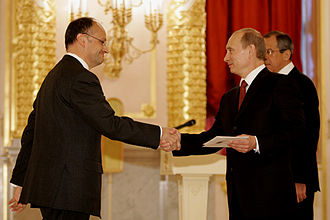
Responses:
[121,47]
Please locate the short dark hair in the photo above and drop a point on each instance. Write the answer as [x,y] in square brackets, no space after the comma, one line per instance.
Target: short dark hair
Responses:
[75,27]
[252,36]
[284,41]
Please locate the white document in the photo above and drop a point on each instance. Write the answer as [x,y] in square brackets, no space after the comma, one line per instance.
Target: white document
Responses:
[222,141]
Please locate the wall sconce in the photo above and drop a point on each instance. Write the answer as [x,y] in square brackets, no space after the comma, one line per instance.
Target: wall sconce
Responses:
[77,8]
[119,41]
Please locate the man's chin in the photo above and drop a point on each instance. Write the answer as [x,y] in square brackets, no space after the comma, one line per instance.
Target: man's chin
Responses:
[269,67]
[231,70]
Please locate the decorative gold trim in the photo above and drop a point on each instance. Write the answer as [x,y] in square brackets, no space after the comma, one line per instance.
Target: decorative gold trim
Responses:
[186,61]
[33,54]
[186,72]
[323,113]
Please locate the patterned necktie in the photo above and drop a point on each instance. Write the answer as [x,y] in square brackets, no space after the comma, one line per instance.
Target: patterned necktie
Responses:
[242,92]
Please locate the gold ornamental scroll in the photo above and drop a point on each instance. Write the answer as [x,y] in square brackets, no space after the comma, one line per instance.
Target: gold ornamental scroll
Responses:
[33,54]
[186,63]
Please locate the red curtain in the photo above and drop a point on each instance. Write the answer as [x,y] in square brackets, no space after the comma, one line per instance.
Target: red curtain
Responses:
[226,16]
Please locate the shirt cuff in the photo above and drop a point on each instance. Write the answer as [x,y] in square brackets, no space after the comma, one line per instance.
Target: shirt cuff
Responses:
[257,150]
[14,185]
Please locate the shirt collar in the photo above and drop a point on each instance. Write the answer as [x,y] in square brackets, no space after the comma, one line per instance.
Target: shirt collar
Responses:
[287,69]
[79,59]
[252,75]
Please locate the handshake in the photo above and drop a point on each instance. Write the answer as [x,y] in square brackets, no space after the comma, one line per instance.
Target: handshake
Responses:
[171,137]
[170,140]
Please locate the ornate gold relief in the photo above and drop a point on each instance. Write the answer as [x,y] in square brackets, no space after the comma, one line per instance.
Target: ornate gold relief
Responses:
[186,68]
[186,61]
[33,54]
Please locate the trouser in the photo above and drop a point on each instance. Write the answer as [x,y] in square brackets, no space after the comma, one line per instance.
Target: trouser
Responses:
[305,209]
[58,214]
[236,213]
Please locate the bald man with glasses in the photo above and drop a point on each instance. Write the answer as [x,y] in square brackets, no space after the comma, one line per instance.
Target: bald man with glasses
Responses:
[59,167]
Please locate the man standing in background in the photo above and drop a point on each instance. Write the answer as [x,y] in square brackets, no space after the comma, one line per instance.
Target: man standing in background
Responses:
[279,50]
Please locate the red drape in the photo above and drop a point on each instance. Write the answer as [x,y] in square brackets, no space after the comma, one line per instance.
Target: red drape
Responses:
[226,16]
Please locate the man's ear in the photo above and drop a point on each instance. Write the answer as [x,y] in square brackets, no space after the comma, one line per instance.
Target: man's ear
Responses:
[81,39]
[286,55]
[252,50]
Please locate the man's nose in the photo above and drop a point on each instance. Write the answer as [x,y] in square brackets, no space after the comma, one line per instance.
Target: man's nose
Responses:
[226,58]
[105,49]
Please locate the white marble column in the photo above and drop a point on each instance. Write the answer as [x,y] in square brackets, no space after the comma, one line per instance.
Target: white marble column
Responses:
[193,192]
[193,174]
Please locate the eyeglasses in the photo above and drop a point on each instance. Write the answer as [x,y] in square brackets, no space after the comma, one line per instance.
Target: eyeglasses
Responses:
[102,41]
[271,51]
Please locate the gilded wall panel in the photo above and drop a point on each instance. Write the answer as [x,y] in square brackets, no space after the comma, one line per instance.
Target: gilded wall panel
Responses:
[186,63]
[33,54]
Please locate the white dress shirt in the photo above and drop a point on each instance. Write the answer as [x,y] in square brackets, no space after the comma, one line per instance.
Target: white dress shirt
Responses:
[79,59]
[249,79]
[287,69]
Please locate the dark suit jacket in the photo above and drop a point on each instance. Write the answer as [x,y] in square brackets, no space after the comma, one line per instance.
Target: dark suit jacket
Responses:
[59,164]
[304,158]
[263,182]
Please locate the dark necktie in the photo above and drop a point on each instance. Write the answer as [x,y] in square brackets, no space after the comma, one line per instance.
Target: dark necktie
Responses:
[242,92]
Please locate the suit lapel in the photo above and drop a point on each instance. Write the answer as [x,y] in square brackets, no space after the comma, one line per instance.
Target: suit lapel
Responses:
[254,87]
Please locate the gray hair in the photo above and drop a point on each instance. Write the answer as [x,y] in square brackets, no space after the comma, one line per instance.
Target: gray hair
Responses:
[284,41]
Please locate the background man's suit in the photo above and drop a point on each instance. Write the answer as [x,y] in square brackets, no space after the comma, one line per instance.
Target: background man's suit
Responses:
[59,166]
[262,184]
[304,158]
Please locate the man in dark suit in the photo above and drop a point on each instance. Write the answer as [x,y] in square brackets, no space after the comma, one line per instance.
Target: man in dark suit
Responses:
[59,167]
[279,50]
[259,176]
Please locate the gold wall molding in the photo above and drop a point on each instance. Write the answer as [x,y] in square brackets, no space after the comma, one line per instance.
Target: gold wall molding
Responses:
[33,54]
[186,63]
[186,68]
[322,67]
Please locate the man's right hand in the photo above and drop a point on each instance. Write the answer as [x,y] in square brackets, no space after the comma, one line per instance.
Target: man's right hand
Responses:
[14,206]
[300,191]
[170,140]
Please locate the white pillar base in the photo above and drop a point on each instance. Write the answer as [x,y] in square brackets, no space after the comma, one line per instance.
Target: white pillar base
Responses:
[193,195]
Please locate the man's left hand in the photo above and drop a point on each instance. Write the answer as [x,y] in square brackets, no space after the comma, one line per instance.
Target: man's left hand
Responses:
[243,145]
